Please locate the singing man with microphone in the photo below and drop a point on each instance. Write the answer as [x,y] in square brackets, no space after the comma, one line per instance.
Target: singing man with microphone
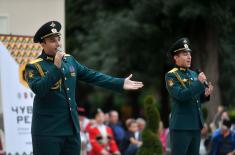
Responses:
[52,77]
[187,89]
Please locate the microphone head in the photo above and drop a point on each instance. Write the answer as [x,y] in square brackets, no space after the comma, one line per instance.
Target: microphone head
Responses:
[59,49]
[206,84]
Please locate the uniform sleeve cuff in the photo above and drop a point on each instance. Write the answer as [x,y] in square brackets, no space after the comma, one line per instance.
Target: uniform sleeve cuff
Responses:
[120,83]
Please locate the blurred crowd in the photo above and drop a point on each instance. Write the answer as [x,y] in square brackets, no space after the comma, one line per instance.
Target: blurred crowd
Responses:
[217,137]
[106,135]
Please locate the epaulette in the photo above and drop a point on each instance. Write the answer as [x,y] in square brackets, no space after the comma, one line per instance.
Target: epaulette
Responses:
[35,61]
[177,76]
[173,70]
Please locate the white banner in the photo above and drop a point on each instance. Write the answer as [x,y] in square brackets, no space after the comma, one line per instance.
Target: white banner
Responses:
[17,103]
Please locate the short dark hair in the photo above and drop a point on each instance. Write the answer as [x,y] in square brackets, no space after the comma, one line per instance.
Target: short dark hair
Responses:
[227,123]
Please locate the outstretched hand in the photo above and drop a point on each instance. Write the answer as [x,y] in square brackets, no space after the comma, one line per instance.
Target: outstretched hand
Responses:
[132,85]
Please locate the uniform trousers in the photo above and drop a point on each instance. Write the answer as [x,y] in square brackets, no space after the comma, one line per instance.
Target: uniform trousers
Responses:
[56,145]
[185,142]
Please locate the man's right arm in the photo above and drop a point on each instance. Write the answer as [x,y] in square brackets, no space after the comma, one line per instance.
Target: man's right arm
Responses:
[181,93]
[39,82]
[99,79]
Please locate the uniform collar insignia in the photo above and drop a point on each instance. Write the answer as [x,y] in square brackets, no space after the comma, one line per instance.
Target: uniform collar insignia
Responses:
[50,58]
[47,57]
[183,69]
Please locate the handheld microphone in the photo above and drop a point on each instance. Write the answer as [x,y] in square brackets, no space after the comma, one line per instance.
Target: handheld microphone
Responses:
[59,49]
[206,84]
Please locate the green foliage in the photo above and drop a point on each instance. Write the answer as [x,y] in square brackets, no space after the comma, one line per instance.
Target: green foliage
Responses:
[116,37]
[151,143]
[151,114]
[226,55]
[132,36]
[231,114]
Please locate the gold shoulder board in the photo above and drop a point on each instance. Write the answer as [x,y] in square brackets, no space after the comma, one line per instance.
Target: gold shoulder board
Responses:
[35,61]
[173,70]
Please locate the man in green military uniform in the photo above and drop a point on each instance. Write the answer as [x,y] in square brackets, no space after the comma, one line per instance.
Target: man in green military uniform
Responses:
[52,77]
[188,90]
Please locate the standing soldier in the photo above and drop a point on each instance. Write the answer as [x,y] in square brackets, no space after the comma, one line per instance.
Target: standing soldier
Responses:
[52,77]
[188,90]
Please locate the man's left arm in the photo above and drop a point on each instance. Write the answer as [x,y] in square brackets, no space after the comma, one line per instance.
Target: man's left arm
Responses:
[106,81]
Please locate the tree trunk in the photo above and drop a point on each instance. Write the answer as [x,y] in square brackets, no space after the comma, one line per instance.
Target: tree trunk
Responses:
[205,57]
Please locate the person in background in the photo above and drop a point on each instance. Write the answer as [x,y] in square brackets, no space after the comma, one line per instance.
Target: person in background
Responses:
[141,124]
[224,116]
[131,142]
[116,127]
[168,144]
[84,121]
[223,142]
[106,118]
[128,121]
[85,141]
[84,128]
[217,117]
[205,140]
[163,136]
[102,138]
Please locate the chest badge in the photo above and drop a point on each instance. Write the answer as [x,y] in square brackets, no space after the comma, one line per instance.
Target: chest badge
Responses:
[185,80]
[72,71]
[30,74]
[170,83]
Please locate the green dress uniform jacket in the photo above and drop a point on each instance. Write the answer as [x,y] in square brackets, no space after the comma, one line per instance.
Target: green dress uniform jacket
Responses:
[54,108]
[186,118]
[187,93]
